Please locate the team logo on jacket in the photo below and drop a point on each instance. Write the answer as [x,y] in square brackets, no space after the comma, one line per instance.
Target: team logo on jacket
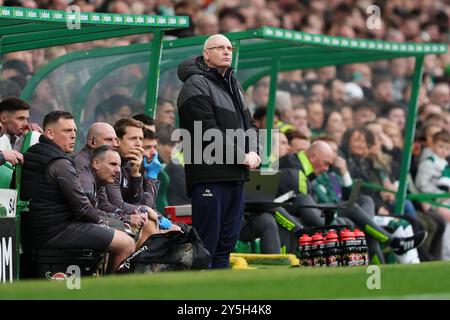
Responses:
[207,193]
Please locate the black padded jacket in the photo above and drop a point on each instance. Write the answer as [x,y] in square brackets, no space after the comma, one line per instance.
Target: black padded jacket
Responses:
[217,102]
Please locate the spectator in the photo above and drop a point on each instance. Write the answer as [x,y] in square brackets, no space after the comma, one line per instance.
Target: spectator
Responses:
[266,18]
[394,132]
[12,68]
[440,95]
[120,7]
[296,141]
[9,89]
[165,112]
[283,104]
[116,107]
[300,120]
[333,125]
[230,20]
[280,145]
[383,92]
[336,93]
[364,111]
[317,90]
[347,116]
[433,175]
[326,75]
[260,118]
[396,114]
[207,24]
[261,93]
[315,117]
[148,121]
[399,68]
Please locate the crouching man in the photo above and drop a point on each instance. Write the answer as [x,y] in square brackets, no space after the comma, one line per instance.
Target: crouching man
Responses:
[61,216]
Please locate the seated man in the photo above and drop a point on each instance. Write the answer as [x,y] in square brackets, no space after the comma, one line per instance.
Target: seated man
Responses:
[12,156]
[104,167]
[130,189]
[135,187]
[102,133]
[61,215]
[99,133]
[299,171]
[14,116]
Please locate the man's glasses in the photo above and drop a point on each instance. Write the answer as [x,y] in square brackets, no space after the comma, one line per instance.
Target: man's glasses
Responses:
[222,48]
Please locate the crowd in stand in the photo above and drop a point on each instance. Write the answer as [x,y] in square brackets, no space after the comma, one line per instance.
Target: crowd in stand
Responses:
[357,110]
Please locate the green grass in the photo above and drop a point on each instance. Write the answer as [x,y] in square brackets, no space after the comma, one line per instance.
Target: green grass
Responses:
[427,280]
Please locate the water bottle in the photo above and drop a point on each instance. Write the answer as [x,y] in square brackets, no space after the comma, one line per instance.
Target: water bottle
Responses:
[362,246]
[333,250]
[349,252]
[317,248]
[304,250]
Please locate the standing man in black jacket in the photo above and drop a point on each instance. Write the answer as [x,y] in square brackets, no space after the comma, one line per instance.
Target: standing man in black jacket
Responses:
[211,99]
[61,216]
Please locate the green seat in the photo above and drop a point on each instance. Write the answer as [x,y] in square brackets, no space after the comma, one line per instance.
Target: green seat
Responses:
[6,173]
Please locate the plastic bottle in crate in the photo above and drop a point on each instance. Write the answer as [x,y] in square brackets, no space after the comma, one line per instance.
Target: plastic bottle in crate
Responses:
[363,249]
[304,250]
[318,256]
[333,250]
[349,250]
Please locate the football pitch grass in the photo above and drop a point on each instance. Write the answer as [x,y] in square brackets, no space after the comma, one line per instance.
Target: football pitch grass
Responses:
[424,281]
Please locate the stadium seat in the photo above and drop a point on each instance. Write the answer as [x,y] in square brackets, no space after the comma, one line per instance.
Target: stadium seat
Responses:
[6,173]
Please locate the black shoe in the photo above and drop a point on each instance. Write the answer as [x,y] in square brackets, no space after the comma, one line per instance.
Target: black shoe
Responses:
[401,245]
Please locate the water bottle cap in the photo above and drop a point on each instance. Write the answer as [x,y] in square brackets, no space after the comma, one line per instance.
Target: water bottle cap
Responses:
[332,236]
[304,240]
[317,238]
[359,233]
[347,235]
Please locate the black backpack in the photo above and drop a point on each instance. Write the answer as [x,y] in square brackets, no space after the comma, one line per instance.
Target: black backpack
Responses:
[168,251]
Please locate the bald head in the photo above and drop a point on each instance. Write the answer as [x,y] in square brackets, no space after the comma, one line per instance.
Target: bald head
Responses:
[218,52]
[101,133]
[215,40]
[441,95]
[321,156]
[207,23]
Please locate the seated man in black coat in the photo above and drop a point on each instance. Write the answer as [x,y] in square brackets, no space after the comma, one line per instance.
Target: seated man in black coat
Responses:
[61,216]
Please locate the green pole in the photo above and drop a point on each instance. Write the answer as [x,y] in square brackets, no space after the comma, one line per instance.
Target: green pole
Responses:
[153,74]
[237,46]
[409,136]
[271,109]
